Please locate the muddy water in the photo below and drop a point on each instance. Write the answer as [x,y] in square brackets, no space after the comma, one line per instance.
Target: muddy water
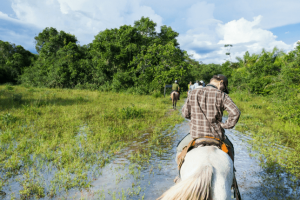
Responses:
[119,182]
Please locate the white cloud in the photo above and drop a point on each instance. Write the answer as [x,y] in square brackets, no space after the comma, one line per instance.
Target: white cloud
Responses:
[206,39]
[276,12]
[10,19]
[81,18]
[296,44]
[243,31]
[201,14]
[247,34]
[201,38]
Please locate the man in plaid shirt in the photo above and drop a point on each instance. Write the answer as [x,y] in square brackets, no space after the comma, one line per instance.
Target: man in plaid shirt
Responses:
[204,107]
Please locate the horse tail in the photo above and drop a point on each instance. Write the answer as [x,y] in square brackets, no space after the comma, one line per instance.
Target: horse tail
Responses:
[196,187]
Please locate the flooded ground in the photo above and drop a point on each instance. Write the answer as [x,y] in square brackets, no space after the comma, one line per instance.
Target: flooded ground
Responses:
[123,179]
[126,178]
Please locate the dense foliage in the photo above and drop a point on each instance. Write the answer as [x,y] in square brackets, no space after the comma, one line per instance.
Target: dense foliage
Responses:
[273,74]
[13,60]
[133,58]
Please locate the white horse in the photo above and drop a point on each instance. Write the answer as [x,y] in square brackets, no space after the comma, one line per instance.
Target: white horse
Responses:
[206,174]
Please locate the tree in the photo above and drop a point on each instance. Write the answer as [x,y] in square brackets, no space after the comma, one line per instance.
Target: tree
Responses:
[13,60]
[58,64]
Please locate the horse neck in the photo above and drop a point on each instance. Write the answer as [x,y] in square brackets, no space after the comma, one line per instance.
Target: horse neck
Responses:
[199,162]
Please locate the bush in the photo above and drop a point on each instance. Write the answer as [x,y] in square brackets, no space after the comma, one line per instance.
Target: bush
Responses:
[258,85]
[8,119]
[17,98]
[131,112]
[156,94]
[9,87]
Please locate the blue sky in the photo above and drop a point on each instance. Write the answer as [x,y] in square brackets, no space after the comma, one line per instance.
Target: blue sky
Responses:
[203,26]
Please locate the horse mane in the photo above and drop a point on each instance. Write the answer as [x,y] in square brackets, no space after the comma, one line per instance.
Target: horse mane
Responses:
[196,187]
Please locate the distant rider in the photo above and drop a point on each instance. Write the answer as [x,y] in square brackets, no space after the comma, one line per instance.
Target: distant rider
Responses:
[202,83]
[176,88]
[189,87]
[196,84]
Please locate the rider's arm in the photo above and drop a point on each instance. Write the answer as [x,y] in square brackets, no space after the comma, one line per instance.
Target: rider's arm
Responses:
[186,109]
[233,113]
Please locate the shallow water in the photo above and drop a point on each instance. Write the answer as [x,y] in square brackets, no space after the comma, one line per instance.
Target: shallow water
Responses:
[125,179]
[153,179]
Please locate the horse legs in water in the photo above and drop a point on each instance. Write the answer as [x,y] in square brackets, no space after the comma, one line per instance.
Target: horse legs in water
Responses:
[207,173]
[174,100]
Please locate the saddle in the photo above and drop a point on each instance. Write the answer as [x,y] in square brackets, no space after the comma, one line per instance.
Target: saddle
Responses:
[206,141]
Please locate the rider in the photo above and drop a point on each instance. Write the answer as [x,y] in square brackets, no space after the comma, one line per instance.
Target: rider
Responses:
[176,88]
[194,86]
[204,107]
[202,83]
[189,87]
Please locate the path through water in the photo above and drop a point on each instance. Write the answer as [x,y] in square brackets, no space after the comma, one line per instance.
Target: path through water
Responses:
[122,179]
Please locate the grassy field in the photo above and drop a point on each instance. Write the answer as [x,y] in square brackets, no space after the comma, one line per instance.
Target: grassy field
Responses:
[274,136]
[72,134]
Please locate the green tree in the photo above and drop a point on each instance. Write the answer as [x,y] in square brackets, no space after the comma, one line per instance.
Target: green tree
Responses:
[59,63]
[13,60]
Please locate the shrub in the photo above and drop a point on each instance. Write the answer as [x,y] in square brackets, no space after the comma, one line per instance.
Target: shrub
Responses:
[9,87]
[17,98]
[131,112]
[156,94]
[8,118]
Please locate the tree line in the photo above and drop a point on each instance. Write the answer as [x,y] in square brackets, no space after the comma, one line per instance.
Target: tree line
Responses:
[134,58]
[137,59]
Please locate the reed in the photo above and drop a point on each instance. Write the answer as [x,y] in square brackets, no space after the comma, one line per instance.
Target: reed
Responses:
[275,137]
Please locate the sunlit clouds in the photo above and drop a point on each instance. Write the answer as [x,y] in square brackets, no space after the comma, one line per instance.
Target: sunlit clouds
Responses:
[204,26]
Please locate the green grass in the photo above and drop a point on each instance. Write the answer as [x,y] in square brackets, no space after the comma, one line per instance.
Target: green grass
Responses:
[278,139]
[71,132]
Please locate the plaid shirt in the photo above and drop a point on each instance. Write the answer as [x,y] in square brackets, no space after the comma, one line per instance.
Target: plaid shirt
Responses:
[212,102]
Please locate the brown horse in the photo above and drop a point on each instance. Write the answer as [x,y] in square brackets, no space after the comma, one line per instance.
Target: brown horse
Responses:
[175,97]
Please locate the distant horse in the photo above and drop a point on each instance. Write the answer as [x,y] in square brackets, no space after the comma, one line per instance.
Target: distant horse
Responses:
[206,174]
[174,97]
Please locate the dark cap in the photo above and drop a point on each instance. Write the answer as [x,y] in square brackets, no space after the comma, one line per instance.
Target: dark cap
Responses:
[225,81]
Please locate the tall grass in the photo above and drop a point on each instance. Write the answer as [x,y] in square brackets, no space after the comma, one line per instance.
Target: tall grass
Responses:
[275,137]
[67,133]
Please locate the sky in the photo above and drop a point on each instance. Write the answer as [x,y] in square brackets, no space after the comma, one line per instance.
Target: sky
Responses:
[204,27]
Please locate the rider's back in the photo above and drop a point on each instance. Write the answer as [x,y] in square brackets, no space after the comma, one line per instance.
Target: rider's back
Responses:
[205,108]
[175,87]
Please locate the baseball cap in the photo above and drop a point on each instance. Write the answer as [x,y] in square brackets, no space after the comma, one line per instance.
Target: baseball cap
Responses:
[225,81]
